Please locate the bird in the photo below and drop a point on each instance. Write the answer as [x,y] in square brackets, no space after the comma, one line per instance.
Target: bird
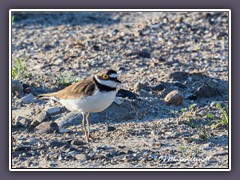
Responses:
[91,95]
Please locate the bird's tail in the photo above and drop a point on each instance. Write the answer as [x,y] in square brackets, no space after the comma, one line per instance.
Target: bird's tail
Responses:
[47,96]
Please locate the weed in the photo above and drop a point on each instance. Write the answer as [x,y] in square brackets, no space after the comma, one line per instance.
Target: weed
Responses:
[12,20]
[223,120]
[224,117]
[19,68]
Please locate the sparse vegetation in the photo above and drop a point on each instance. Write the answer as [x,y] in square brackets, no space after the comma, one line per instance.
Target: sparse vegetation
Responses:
[188,114]
[222,120]
[19,69]
[12,18]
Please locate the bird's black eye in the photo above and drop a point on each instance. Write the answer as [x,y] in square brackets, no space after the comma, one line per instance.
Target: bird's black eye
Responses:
[104,76]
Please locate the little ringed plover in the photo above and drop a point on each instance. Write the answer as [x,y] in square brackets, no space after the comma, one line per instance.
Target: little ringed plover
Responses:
[93,94]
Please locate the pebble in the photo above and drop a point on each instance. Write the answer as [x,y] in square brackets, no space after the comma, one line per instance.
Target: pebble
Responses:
[29,99]
[52,111]
[110,128]
[206,91]
[47,127]
[43,116]
[82,157]
[174,98]
[178,76]
[22,121]
[139,86]
[17,87]
[77,142]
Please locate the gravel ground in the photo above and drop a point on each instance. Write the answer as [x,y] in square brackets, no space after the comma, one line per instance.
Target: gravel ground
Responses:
[171,111]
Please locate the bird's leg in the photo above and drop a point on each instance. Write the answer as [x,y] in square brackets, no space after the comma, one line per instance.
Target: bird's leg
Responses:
[84,127]
[88,124]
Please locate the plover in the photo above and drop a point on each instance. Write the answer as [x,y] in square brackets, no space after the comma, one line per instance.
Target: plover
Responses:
[93,94]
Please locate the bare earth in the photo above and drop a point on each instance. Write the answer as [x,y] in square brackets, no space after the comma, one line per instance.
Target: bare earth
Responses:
[154,54]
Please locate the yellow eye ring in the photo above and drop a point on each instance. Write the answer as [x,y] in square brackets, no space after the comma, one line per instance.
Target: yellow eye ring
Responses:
[104,76]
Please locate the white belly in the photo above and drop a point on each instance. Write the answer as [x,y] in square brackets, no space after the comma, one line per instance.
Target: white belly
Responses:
[95,103]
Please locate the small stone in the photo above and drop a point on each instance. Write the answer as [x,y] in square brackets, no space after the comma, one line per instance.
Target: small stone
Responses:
[180,85]
[56,144]
[174,97]
[144,53]
[139,86]
[29,99]
[82,157]
[77,142]
[158,87]
[17,87]
[22,121]
[206,91]
[52,111]
[178,76]
[110,128]
[34,123]
[64,131]
[221,154]
[47,127]
[43,117]
[91,153]
[190,96]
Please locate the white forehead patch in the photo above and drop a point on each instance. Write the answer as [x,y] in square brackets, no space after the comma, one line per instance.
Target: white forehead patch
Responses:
[113,75]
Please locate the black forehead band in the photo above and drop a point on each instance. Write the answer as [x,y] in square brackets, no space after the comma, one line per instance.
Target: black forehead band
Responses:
[111,72]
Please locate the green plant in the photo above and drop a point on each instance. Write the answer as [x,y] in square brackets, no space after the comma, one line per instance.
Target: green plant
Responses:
[203,134]
[189,114]
[224,117]
[12,18]
[19,68]
[223,120]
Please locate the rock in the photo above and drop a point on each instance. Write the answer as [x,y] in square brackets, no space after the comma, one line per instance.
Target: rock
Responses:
[180,85]
[139,86]
[17,87]
[64,131]
[144,53]
[174,97]
[158,87]
[56,144]
[178,76]
[82,157]
[43,117]
[125,93]
[29,99]
[28,90]
[47,127]
[52,111]
[34,123]
[206,91]
[22,121]
[190,96]
[91,153]
[221,154]
[77,142]
[69,120]
[110,128]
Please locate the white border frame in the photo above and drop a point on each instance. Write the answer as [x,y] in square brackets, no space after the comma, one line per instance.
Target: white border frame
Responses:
[111,10]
